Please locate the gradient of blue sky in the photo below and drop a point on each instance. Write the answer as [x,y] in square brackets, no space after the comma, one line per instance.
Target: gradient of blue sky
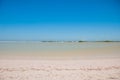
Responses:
[59,20]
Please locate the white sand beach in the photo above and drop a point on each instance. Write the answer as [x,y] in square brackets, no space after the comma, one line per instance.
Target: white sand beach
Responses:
[60,69]
[77,61]
[59,39]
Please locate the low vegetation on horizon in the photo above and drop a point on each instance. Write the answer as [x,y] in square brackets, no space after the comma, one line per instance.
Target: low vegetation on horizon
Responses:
[107,41]
[61,41]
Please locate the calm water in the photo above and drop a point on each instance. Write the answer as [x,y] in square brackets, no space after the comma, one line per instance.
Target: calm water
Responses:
[58,48]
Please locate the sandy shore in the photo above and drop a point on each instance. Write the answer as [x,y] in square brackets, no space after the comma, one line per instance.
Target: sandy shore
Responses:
[106,69]
[59,61]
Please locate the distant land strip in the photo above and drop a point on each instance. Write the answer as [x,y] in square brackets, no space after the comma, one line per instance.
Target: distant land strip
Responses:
[54,41]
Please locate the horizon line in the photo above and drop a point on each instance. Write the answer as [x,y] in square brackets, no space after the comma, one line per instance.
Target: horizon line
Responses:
[67,40]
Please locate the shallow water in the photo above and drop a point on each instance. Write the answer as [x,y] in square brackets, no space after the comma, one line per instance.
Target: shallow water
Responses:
[35,48]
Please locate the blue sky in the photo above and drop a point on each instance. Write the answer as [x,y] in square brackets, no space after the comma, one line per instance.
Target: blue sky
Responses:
[59,20]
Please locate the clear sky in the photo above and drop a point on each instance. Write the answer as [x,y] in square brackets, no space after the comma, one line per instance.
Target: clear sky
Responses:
[59,20]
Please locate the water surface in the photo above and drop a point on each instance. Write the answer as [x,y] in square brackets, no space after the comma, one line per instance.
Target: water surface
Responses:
[59,49]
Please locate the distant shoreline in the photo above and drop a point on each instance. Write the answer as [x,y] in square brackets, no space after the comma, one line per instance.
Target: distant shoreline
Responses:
[53,41]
